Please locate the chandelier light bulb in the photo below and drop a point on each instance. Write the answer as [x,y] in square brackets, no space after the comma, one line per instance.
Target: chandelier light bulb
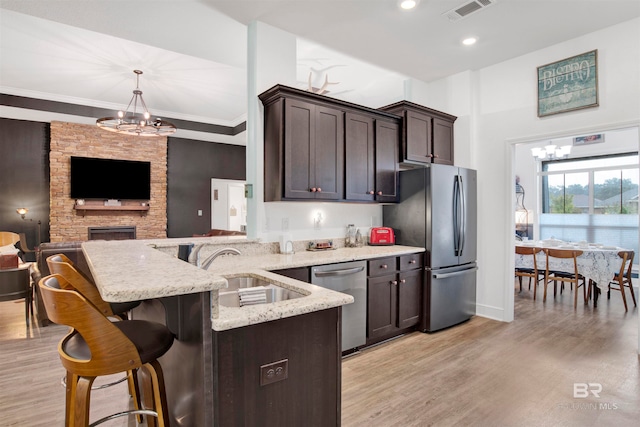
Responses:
[121,114]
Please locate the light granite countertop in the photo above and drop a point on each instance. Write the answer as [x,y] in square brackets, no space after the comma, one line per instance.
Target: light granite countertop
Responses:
[128,270]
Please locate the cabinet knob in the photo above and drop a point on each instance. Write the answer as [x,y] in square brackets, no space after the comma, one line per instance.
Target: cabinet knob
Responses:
[319,189]
[413,261]
[383,266]
[403,281]
[379,193]
[371,192]
[394,282]
[313,190]
[436,156]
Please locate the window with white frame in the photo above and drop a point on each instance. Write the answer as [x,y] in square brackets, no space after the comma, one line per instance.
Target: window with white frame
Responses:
[593,199]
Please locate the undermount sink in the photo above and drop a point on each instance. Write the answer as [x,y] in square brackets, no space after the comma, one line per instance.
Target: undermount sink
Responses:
[229,297]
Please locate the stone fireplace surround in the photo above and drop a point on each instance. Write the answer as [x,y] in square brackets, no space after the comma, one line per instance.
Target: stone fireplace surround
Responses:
[70,139]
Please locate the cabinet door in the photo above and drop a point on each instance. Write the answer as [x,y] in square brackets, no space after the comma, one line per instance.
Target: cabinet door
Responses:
[328,154]
[359,158]
[387,151]
[418,137]
[409,298]
[313,151]
[381,305]
[299,139]
[442,141]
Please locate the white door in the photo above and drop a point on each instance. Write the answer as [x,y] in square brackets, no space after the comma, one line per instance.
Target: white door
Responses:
[228,205]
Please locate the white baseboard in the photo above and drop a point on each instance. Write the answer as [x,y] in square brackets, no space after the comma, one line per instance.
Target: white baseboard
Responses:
[490,312]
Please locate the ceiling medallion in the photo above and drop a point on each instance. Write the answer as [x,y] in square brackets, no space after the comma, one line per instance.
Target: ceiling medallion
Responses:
[132,122]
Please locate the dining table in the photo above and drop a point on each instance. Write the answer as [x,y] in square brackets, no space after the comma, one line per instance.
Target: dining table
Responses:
[598,263]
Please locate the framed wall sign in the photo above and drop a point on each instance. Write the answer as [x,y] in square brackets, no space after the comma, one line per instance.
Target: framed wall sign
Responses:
[569,84]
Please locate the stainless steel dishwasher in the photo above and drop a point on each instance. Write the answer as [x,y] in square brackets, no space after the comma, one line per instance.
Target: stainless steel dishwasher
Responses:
[348,278]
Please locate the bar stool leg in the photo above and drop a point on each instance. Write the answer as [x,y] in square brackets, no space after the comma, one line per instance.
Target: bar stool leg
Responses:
[82,401]
[134,391]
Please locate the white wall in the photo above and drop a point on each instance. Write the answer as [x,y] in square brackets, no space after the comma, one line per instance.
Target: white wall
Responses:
[503,107]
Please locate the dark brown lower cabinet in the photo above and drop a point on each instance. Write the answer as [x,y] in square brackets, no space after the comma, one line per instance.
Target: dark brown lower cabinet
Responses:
[286,372]
[394,298]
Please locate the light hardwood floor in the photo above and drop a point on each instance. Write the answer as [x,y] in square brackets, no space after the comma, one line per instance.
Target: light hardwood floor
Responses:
[480,373]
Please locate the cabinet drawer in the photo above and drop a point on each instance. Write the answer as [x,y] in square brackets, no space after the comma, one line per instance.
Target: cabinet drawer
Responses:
[410,262]
[382,266]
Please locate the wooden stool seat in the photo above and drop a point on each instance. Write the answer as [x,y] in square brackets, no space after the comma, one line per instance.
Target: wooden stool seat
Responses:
[152,340]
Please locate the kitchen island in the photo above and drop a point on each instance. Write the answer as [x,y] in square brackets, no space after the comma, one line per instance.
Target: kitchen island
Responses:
[271,364]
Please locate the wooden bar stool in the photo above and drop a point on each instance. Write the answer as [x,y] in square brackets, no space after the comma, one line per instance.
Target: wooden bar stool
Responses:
[623,280]
[95,346]
[560,276]
[62,265]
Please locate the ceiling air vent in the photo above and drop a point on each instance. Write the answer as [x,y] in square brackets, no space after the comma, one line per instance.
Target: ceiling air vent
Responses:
[467,9]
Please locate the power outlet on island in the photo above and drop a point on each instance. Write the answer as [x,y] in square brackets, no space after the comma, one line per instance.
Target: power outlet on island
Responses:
[274,372]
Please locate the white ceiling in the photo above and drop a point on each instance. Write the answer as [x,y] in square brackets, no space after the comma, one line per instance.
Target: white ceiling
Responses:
[193,52]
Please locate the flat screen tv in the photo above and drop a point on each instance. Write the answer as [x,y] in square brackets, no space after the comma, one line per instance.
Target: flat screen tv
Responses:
[106,179]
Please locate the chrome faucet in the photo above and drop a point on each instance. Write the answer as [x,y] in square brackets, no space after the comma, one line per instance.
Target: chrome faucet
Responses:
[194,256]
[207,262]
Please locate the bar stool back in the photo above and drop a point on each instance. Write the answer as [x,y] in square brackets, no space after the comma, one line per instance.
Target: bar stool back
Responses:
[62,265]
[95,346]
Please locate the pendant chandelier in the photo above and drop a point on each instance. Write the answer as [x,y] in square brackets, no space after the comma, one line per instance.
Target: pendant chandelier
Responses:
[136,120]
[551,152]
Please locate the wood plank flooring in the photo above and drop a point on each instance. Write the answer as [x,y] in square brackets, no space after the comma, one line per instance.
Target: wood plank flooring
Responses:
[480,373]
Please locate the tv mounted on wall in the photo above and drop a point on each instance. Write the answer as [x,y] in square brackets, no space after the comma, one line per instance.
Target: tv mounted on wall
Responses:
[93,178]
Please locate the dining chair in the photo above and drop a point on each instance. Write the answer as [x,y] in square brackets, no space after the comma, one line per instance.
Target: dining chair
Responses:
[96,346]
[8,238]
[15,284]
[25,249]
[531,273]
[554,275]
[623,278]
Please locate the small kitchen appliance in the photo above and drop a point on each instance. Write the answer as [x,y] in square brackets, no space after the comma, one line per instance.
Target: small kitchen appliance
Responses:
[381,236]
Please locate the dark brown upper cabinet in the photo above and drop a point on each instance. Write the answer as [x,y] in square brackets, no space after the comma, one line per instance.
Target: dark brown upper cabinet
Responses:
[320,148]
[371,158]
[313,151]
[427,134]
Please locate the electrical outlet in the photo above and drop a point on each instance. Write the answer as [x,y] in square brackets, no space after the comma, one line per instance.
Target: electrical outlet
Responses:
[274,372]
[285,224]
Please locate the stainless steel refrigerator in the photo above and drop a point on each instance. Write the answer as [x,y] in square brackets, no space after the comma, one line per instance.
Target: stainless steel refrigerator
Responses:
[437,211]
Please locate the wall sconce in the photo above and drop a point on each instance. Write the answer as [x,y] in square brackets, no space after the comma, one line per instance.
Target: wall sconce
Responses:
[23,212]
[317,220]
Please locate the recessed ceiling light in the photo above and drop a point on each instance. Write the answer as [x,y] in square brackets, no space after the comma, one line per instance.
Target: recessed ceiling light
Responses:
[469,41]
[408,4]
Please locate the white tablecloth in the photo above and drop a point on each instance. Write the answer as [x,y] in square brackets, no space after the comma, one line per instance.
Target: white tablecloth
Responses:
[597,264]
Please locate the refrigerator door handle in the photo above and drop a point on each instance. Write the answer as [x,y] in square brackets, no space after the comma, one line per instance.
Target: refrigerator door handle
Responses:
[456,225]
[456,273]
[458,215]
[463,216]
